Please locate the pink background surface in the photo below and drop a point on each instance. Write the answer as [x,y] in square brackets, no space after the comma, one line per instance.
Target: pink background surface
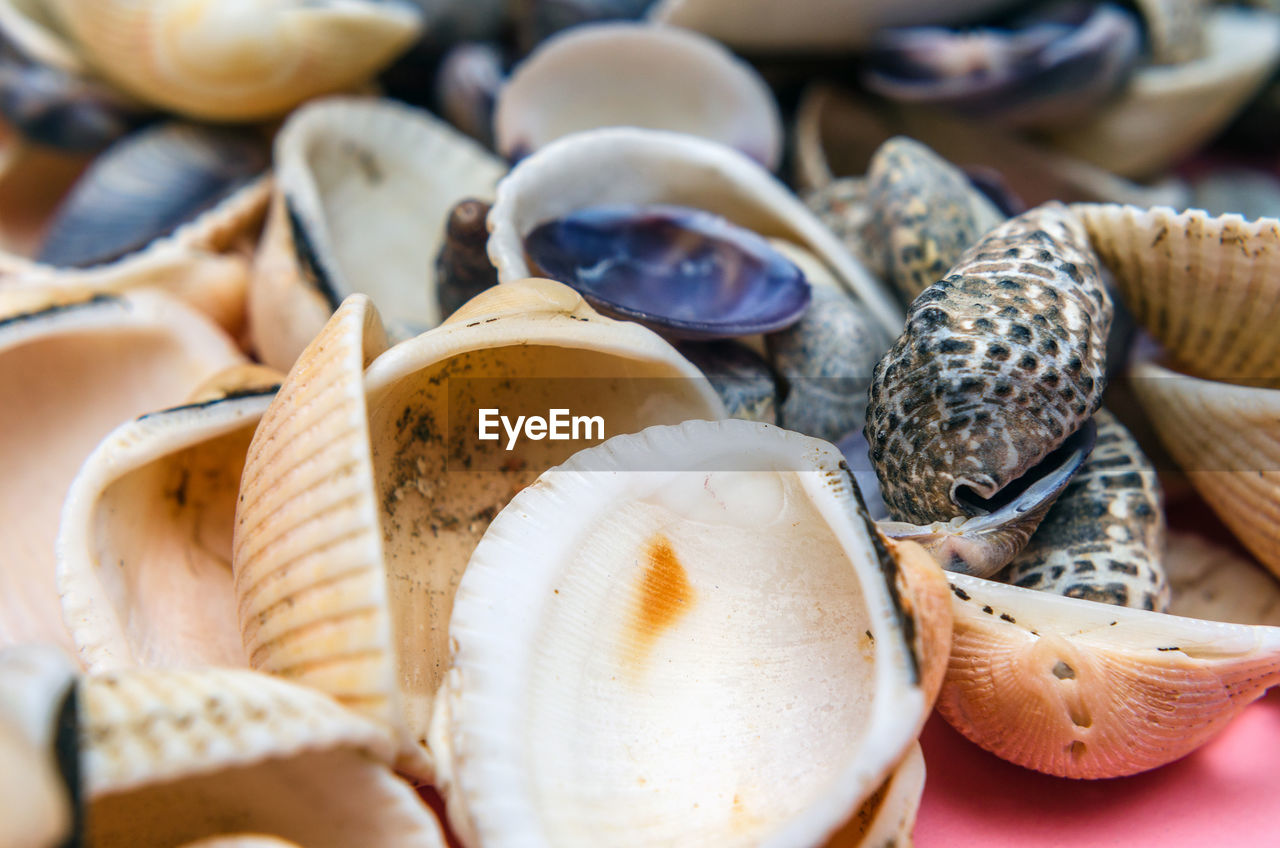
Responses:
[1225,793]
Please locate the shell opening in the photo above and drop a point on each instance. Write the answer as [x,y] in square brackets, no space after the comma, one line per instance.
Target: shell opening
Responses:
[1043,481]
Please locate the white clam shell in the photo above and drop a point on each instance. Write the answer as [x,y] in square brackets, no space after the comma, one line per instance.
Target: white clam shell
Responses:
[626,74]
[628,165]
[607,625]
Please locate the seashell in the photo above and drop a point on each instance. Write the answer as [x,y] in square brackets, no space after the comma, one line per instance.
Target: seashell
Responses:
[463,269]
[241,840]
[924,214]
[637,75]
[1224,437]
[740,376]
[1000,362]
[1207,288]
[234,62]
[626,165]
[351,532]
[836,134]
[467,86]
[538,20]
[1175,29]
[825,361]
[33,180]
[34,31]
[1168,111]
[813,26]
[1211,582]
[340,163]
[40,781]
[1075,688]
[889,815]
[681,271]
[589,646]
[72,366]
[225,751]
[1103,539]
[1051,68]
[844,207]
[144,545]
[1248,192]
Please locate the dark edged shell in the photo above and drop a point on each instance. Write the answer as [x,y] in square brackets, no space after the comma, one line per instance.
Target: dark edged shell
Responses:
[463,269]
[739,375]
[147,185]
[1053,68]
[999,363]
[825,361]
[1103,539]
[925,212]
[683,272]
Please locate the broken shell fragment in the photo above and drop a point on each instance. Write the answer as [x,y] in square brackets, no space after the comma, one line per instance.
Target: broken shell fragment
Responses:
[366,486]
[637,75]
[144,545]
[588,645]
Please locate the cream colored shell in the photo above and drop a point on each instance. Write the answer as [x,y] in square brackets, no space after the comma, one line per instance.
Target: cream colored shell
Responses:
[1214,582]
[73,365]
[628,165]
[627,74]
[360,507]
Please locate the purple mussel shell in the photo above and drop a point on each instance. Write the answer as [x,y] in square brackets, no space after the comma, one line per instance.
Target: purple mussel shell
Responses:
[683,272]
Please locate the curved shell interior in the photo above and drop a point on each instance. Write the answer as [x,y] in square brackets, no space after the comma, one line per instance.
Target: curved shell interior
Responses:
[624,74]
[1213,582]
[630,626]
[68,374]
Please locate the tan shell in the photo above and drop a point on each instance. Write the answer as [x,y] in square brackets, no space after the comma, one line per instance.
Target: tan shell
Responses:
[1225,437]
[144,545]
[39,34]
[636,75]
[1167,111]
[174,756]
[234,61]
[1076,688]
[1213,582]
[72,366]
[363,192]
[356,518]
[1175,29]
[836,134]
[628,165]
[1208,288]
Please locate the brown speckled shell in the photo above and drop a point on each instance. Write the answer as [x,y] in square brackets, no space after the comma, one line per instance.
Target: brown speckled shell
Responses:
[998,364]
[925,214]
[1104,537]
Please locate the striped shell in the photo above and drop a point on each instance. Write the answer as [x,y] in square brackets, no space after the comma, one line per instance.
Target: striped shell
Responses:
[1103,538]
[1000,362]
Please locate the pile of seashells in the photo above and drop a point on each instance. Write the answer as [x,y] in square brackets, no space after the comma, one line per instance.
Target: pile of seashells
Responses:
[906,322]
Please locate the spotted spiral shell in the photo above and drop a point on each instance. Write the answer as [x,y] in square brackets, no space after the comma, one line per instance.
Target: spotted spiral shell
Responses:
[1104,536]
[998,364]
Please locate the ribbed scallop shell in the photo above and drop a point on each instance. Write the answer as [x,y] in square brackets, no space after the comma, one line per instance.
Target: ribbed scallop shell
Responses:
[925,212]
[1000,362]
[1227,440]
[1103,539]
[237,61]
[636,75]
[144,544]
[605,624]
[174,756]
[1208,288]
[73,365]
[364,188]
[358,511]
[1076,688]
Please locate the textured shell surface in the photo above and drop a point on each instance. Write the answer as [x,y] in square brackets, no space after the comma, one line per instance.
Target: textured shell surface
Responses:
[844,206]
[230,61]
[144,543]
[925,213]
[365,492]
[225,751]
[1103,539]
[1000,362]
[1210,581]
[637,166]
[637,75]
[72,366]
[585,650]
[342,163]
[1207,287]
